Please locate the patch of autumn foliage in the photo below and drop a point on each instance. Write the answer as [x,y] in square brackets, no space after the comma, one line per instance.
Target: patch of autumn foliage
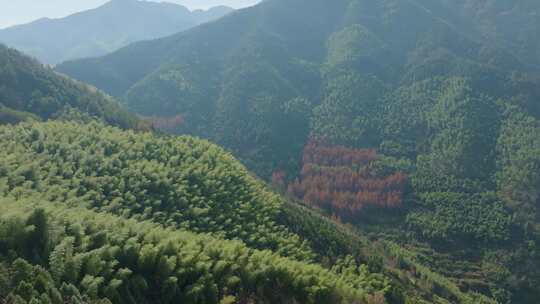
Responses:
[278,178]
[338,180]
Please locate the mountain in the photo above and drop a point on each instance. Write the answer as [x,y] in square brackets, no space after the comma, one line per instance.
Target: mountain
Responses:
[203,73]
[511,26]
[31,91]
[104,29]
[94,214]
[90,213]
[417,121]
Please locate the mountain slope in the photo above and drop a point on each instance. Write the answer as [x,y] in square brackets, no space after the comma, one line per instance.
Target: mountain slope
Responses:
[29,90]
[125,261]
[104,29]
[450,107]
[200,228]
[182,182]
[253,65]
[513,26]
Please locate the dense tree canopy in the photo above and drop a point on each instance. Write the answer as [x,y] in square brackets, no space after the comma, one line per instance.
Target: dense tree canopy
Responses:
[181,182]
[445,92]
[86,257]
[94,214]
[31,91]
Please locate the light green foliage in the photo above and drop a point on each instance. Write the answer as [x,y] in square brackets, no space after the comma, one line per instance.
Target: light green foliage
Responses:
[179,182]
[139,258]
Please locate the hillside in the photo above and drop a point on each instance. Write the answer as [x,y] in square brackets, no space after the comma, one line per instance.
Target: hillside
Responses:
[299,68]
[105,29]
[512,26]
[31,91]
[90,212]
[134,262]
[428,119]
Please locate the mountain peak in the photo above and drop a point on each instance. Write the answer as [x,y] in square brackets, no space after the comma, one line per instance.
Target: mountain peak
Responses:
[121,2]
[103,30]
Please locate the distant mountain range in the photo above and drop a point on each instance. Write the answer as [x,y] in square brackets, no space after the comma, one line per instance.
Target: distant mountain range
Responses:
[104,29]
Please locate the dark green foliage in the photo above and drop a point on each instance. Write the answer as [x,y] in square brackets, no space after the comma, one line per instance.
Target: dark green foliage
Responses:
[461,217]
[518,178]
[11,116]
[29,91]
[350,61]
[347,112]
[336,239]
[38,236]
[510,25]
[328,240]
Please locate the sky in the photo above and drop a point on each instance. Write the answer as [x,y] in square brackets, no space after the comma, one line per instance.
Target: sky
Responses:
[14,12]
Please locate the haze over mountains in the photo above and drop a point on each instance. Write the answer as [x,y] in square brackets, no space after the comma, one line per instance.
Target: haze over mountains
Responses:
[104,29]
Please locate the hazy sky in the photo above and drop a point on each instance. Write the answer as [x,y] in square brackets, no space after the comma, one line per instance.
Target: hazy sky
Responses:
[22,11]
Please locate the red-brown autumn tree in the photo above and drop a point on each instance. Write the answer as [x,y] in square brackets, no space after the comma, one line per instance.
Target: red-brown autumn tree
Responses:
[338,180]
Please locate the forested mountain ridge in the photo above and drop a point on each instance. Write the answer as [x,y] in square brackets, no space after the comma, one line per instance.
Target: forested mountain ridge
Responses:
[423,110]
[513,26]
[200,229]
[295,65]
[105,29]
[30,90]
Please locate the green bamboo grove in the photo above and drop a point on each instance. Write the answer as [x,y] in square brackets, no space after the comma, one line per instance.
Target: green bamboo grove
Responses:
[93,214]
[180,182]
[54,254]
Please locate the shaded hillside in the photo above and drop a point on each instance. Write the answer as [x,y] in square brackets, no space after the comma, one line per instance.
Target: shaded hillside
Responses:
[105,29]
[318,62]
[511,25]
[29,90]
